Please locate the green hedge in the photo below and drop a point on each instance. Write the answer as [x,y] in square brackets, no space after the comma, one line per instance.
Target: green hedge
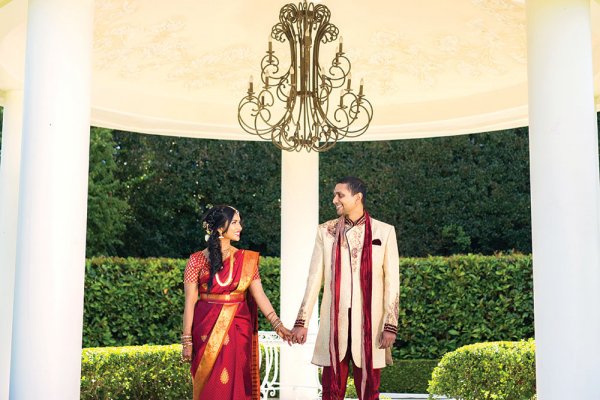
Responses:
[445,302]
[133,301]
[141,372]
[407,376]
[449,302]
[155,372]
[482,371]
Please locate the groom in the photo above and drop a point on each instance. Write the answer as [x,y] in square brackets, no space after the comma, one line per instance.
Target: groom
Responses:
[356,260]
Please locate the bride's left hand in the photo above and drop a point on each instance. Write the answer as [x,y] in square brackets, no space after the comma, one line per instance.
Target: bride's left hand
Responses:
[285,334]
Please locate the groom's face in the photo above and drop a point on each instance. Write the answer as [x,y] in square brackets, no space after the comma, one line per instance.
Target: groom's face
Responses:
[344,201]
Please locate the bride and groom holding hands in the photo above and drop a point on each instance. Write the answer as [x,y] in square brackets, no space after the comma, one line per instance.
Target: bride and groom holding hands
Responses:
[355,260]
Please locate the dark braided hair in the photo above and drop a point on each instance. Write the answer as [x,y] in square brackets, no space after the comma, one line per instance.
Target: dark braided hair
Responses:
[218,217]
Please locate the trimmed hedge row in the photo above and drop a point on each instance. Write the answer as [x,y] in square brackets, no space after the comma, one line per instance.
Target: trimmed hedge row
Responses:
[482,371]
[407,376]
[156,373]
[449,302]
[136,301]
[140,372]
[446,302]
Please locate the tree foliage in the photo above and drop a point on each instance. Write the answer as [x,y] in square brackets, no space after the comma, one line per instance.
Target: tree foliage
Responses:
[171,182]
[448,195]
[106,208]
[444,195]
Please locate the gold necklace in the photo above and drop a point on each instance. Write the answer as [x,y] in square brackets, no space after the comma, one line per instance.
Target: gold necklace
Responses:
[225,253]
[230,277]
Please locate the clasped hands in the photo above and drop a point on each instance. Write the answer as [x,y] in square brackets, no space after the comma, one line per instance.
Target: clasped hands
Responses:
[296,335]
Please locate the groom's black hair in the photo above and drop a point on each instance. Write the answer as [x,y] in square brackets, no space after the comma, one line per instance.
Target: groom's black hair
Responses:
[355,185]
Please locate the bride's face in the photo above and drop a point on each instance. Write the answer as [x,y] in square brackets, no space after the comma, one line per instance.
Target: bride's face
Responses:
[235,229]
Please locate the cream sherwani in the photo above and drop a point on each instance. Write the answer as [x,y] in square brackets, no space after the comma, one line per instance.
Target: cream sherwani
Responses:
[385,285]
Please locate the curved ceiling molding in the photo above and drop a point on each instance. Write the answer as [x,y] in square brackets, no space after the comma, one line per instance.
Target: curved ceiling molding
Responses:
[430,67]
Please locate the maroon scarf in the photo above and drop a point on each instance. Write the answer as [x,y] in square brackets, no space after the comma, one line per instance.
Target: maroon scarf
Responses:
[366,267]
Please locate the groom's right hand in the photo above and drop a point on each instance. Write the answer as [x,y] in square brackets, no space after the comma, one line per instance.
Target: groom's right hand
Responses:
[299,334]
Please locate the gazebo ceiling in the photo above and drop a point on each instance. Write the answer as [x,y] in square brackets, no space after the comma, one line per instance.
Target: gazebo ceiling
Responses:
[431,68]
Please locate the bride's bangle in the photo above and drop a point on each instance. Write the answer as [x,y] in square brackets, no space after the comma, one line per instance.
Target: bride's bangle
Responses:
[275,322]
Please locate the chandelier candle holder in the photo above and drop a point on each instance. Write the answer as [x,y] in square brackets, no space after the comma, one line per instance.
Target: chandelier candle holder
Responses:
[297,107]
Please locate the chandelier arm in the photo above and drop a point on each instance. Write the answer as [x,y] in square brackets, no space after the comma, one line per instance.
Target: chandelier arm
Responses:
[319,112]
[288,14]
[339,71]
[367,113]
[247,102]
[266,98]
[269,67]
[281,94]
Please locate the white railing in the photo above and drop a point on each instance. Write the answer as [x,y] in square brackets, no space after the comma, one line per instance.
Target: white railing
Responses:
[269,345]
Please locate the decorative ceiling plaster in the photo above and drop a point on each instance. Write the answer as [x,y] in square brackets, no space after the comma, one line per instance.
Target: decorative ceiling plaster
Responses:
[430,67]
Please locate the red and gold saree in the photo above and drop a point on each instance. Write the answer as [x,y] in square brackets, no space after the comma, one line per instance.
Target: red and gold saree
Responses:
[225,331]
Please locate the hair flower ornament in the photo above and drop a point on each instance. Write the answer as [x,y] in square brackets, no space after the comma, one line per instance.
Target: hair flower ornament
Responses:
[207,230]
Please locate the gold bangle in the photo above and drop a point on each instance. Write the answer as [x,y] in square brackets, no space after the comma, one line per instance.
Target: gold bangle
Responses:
[275,322]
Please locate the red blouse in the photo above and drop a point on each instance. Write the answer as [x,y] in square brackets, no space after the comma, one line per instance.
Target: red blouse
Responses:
[197,269]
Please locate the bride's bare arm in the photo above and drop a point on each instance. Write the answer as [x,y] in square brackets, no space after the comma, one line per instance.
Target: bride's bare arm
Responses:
[191,296]
[265,306]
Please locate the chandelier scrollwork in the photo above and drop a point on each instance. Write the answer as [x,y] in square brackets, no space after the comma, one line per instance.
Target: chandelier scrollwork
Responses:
[294,106]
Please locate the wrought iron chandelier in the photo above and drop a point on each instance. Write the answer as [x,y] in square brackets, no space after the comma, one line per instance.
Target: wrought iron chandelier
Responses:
[294,106]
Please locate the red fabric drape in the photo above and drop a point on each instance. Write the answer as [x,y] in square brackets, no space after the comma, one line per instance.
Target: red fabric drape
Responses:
[366,278]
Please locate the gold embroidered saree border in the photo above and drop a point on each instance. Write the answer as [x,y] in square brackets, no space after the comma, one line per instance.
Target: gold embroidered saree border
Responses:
[217,336]
[213,347]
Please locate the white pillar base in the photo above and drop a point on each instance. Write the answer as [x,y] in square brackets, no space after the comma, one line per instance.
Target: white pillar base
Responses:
[565,195]
[9,207]
[299,221]
[50,261]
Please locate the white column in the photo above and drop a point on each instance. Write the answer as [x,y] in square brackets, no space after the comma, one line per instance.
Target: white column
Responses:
[48,309]
[299,220]
[564,199]
[9,201]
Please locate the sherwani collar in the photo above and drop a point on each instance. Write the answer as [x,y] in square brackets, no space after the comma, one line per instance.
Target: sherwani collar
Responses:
[351,224]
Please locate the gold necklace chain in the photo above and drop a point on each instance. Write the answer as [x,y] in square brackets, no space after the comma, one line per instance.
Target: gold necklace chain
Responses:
[225,253]
[230,277]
